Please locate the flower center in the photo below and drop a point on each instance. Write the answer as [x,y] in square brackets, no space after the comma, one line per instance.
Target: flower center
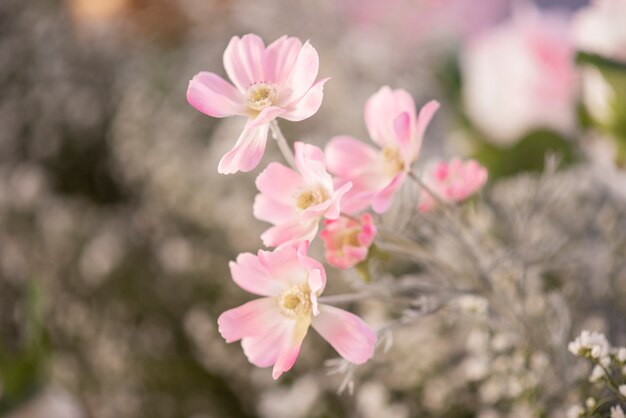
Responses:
[393,159]
[311,197]
[261,95]
[295,302]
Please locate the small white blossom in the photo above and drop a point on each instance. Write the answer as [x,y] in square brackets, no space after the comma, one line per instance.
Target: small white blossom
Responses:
[590,344]
[617,412]
[622,390]
[575,411]
[621,354]
[590,403]
[596,374]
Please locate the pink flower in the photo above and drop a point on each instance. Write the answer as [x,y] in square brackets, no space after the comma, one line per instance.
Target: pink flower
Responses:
[521,76]
[452,181]
[347,241]
[277,81]
[295,202]
[272,328]
[376,174]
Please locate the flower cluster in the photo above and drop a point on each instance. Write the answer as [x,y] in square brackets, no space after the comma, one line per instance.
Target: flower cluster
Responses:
[337,185]
[608,373]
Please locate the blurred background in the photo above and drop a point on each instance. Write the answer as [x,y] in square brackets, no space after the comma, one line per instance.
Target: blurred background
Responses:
[116,230]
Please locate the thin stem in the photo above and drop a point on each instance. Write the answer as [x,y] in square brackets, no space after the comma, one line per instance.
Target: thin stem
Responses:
[345,298]
[283,145]
[430,191]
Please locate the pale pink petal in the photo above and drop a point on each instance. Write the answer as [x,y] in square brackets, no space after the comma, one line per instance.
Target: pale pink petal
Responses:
[244,61]
[253,319]
[381,109]
[214,96]
[269,210]
[316,284]
[246,153]
[302,76]
[280,57]
[311,164]
[311,264]
[381,201]
[265,349]
[286,360]
[353,160]
[335,207]
[356,199]
[316,212]
[347,333]
[279,183]
[289,233]
[308,105]
[423,120]
[265,116]
[284,266]
[404,135]
[253,274]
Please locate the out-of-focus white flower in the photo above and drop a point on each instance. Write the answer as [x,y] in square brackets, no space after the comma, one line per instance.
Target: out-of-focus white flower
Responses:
[599,28]
[621,354]
[622,390]
[596,374]
[575,411]
[590,403]
[520,76]
[590,344]
[598,95]
[617,412]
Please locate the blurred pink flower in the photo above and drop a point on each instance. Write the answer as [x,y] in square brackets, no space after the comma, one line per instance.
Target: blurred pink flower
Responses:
[452,181]
[295,202]
[272,328]
[347,241]
[277,81]
[377,174]
[600,28]
[521,76]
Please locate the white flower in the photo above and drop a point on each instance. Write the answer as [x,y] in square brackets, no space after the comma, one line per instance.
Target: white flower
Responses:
[596,374]
[622,390]
[590,403]
[621,354]
[590,344]
[600,28]
[575,411]
[617,412]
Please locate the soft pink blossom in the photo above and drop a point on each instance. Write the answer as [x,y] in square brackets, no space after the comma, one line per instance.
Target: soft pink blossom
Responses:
[600,28]
[272,328]
[347,240]
[295,202]
[521,76]
[377,173]
[269,82]
[452,181]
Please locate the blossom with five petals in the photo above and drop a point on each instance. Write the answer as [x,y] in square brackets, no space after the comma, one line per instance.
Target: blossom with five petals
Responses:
[347,240]
[269,82]
[452,181]
[376,174]
[295,202]
[272,328]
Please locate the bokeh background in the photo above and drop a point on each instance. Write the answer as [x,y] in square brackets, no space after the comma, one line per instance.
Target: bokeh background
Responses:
[116,230]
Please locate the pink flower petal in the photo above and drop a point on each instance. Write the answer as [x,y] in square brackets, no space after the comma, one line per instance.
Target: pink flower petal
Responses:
[311,164]
[289,233]
[252,319]
[353,160]
[335,207]
[308,105]
[285,266]
[382,200]
[265,116]
[302,76]
[280,57]
[286,360]
[382,109]
[269,210]
[279,183]
[347,333]
[265,349]
[423,120]
[214,96]
[246,153]
[255,275]
[243,61]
